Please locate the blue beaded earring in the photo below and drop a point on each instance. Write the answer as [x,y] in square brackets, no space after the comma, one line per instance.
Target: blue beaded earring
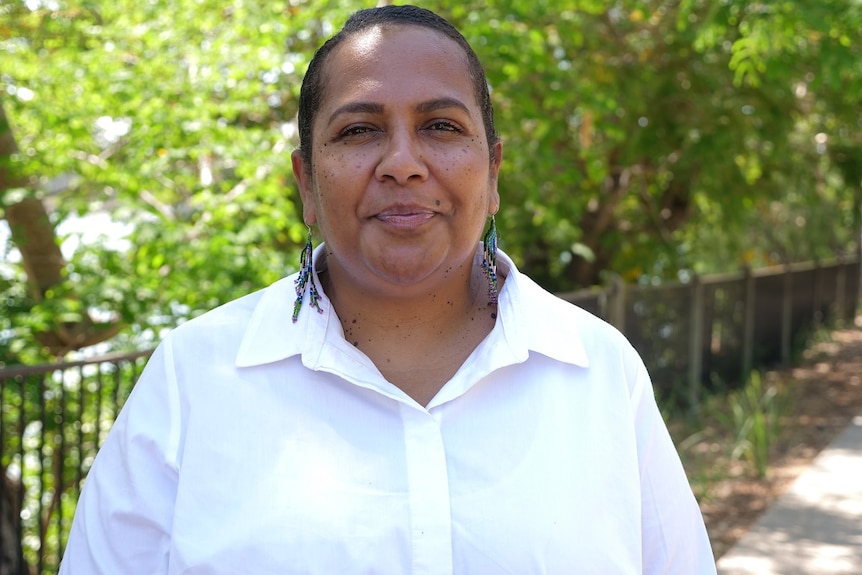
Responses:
[489,259]
[304,280]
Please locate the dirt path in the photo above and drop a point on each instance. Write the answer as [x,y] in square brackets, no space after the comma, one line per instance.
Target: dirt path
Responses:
[826,388]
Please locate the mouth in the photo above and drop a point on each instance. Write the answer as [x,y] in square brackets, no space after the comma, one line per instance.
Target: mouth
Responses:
[405,216]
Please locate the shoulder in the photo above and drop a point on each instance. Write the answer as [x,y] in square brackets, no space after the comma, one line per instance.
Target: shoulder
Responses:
[548,324]
[223,327]
[556,313]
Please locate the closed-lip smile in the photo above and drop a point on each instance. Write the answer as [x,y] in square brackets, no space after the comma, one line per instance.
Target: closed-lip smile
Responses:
[405,216]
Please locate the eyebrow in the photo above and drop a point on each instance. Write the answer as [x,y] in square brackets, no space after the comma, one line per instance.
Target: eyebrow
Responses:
[440,104]
[422,108]
[357,108]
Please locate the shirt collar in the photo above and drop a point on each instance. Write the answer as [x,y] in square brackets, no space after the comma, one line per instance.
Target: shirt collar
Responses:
[271,334]
[534,320]
[531,322]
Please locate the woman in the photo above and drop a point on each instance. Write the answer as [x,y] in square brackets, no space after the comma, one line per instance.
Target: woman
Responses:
[402,405]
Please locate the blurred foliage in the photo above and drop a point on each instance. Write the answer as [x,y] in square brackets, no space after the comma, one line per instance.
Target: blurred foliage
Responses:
[648,138]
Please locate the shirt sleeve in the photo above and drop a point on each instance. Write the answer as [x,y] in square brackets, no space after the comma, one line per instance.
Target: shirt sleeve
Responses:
[674,538]
[122,523]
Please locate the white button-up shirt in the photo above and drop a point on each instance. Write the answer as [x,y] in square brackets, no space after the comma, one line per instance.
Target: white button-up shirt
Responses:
[255,446]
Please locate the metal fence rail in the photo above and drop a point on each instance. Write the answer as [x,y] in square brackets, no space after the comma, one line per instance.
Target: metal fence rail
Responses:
[712,330]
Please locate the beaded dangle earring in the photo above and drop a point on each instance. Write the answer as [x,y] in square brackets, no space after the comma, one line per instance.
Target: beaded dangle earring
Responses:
[489,259]
[306,270]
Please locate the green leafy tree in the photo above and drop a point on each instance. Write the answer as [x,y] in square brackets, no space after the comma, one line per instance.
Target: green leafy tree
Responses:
[650,138]
[654,137]
[176,118]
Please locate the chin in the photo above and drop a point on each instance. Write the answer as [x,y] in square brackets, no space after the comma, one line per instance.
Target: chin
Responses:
[405,277]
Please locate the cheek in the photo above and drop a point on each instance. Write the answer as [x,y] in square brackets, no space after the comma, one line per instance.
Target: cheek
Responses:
[334,190]
[454,163]
[342,162]
[327,169]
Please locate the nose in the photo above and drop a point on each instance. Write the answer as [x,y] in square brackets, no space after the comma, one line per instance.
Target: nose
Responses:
[402,160]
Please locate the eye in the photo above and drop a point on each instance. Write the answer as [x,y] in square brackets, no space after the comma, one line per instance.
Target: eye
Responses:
[444,125]
[355,130]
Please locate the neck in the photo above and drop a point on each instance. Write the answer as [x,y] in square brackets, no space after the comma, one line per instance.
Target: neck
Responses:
[431,309]
[418,340]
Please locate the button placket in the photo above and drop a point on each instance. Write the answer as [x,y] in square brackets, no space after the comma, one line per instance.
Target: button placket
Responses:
[428,481]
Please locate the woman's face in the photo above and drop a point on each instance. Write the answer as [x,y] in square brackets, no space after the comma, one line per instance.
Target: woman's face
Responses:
[402,181]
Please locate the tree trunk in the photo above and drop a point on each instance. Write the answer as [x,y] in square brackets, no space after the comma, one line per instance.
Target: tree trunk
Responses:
[7,148]
[594,224]
[11,557]
[34,236]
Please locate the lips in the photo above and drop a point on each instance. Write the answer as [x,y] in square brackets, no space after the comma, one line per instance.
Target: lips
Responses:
[405,216]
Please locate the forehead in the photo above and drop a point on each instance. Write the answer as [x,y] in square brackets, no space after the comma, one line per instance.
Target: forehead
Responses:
[397,62]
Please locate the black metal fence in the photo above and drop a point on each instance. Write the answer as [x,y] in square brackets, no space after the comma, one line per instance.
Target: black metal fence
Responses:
[53,419]
[710,331]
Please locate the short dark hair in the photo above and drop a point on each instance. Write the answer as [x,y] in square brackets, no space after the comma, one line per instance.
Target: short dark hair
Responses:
[313,84]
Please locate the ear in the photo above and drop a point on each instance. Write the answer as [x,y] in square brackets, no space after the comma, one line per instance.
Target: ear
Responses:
[302,173]
[493,178]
